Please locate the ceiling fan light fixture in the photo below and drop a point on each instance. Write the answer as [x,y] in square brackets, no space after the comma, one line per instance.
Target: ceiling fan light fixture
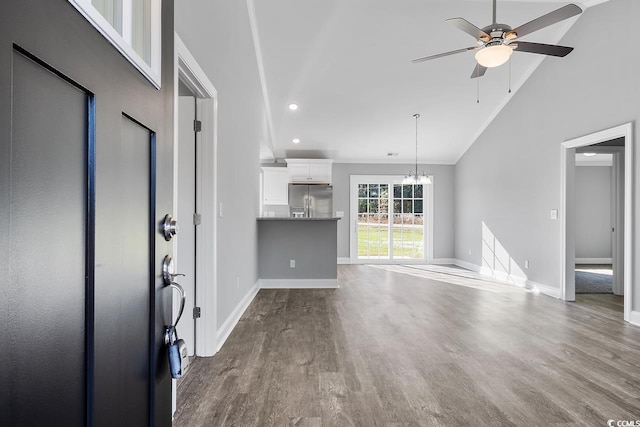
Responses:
[493,56]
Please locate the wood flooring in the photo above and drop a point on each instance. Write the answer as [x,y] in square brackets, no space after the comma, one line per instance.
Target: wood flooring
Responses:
[394,349]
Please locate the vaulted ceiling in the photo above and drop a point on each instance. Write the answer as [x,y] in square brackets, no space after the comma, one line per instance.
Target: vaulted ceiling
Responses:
[347,64]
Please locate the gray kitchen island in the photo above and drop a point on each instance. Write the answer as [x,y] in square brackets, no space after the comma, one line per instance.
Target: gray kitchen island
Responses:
[297,252]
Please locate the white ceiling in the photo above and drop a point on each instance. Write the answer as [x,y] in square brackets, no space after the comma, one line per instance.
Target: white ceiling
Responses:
[347,63]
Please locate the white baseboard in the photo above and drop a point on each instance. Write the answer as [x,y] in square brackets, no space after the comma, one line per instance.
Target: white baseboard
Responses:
[594,261]
[225,330]
[634,318]
[543,289]
[509,279]
[443,261]
[343,260]
[467,265]
[298,283]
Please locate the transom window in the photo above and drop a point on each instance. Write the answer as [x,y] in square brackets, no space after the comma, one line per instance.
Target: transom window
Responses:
[133,27]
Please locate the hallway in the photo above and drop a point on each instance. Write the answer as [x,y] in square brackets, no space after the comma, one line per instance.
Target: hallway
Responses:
[388,348]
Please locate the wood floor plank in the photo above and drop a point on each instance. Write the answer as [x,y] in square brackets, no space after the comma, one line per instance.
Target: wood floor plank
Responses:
[418,347]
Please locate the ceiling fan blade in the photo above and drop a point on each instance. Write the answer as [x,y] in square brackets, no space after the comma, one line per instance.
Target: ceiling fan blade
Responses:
[469,28]
[543,49]
[478,71]
[440,55]
[543,21]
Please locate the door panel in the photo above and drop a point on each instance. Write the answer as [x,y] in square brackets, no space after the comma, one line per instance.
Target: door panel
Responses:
[122,302]
[47,239]
[46,192]
[186,239]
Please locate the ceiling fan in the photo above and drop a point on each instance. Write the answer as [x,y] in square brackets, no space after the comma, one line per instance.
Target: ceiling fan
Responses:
[496,42]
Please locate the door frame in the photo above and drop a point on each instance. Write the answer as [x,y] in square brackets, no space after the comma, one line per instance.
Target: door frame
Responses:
[189,72]
[354,180]
[567,185]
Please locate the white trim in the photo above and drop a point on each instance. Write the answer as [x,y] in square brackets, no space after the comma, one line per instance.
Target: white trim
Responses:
[506,279]
[298,283]
[634,317]
[344,260]
[594,260]
[153,71]
[230,323]
[187,69]
[253,22]
[354,180]
[443,261]
[567,175]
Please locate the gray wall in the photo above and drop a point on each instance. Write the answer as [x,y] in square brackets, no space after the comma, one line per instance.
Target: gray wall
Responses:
[443,200]
[510,177]
[311,243]
[593,211]
[218,34]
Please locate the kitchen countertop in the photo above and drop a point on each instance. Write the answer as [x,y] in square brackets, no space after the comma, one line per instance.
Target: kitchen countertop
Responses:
[288,218]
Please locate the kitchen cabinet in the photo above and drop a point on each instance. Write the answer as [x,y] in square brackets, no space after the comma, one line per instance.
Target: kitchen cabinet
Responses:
[275,186]
[309,170]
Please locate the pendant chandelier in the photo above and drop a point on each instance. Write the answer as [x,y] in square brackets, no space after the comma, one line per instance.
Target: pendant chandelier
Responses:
[414,177]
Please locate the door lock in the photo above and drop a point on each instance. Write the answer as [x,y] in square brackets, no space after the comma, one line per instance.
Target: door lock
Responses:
[169,227]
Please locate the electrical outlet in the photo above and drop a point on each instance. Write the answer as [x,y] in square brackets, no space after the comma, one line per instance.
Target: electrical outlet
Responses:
[526,263]
[237,283]
[220,211]
[553,214]
[292,263]
[469,251]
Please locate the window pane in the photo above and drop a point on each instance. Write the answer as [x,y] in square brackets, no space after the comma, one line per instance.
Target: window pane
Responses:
[141,31]
[397,191]
[397,206]
[362,190]
[417,206]
[373,206]
[418,192]
[374,190]
[362,205]
[407,191]
[384,190]
[384,205]
[407,206]
[111,10]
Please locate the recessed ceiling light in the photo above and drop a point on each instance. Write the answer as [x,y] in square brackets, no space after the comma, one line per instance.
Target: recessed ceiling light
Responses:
[293,107]
[589,154]
[296,140]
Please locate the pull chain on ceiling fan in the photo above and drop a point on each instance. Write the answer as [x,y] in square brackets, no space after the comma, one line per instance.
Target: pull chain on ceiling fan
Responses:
[496,42]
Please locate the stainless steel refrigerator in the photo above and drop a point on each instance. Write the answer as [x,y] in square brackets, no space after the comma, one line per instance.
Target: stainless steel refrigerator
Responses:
[311,201]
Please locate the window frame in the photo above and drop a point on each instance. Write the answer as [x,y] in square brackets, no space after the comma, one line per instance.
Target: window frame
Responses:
[390,180]
[151,71]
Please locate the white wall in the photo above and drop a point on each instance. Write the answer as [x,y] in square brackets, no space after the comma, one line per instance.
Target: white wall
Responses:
[510,177]
[593,211]
[443,189]
[219,36]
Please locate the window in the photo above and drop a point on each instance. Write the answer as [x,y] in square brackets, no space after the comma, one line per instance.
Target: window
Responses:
[390,220]
[133,27]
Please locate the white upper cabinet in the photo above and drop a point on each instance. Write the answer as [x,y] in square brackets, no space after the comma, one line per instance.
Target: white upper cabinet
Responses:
[275,186]
[309,170]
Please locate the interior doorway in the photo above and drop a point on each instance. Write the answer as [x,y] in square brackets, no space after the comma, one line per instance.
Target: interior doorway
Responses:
[195,198]
[618,143]
[599,196]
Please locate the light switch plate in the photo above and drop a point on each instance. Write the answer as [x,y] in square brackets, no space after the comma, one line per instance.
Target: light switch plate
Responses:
[339,214]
